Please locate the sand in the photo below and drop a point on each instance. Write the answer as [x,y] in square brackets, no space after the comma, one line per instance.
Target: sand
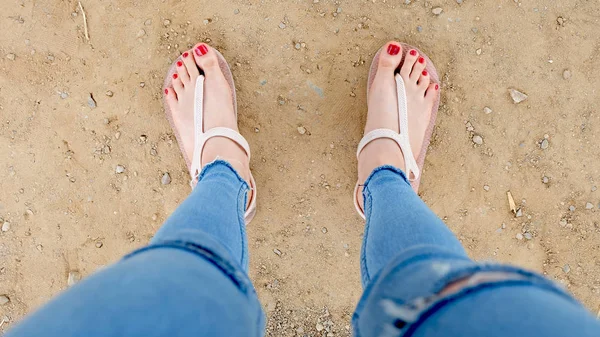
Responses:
[70,212]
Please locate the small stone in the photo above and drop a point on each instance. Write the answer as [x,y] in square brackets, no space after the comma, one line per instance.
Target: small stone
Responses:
[166,179]
[528,236]
[141,33]
[486,187]
[478,51]
[277,252]
[119,169]
[519,213]
[297,46]
[64,94]
[517,96]
[477,139]
[572,208]
[301,130]
[6,226]
[282,25]
[545,179]
[589,205]
[544,144]
[109,93]
[99,244]
[419,29]
[567,74]
[11,56]
[459,1]
[142,84]
[148,22]
[594,188]
[118,135]
[4,299]
[566,268]
[437,10]
[324,230]
[519,236]
[74,277]
[206,22]
[166,22]
[91,101]
[236,11]
[319,327]
[563,222]
[487,110]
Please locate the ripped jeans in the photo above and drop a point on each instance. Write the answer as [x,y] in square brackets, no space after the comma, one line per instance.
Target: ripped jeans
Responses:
[191,280]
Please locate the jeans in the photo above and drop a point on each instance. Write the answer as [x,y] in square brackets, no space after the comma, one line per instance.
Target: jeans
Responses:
[191,280]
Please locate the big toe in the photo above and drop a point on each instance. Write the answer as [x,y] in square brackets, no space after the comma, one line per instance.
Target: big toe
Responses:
[205,57]
[390,56]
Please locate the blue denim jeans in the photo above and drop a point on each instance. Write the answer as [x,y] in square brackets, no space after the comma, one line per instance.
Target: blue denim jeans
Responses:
[191,280]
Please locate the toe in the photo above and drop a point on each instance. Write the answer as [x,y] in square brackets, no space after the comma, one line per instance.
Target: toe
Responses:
[182,72]
[418,68]
[190,64]
[409,61]
[390,56]
[432,92]
[424,81]
[205,57]
[170,96]
[177,84]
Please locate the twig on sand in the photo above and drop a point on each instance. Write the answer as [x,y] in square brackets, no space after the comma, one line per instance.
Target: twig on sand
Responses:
[85,25]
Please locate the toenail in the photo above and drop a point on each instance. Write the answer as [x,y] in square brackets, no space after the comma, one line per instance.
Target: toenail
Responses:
[185,54]
[413,52]
[201,50]
[166,91]
[393,49]
[421,60]
[437,87]
[424,73]
[175,76]
[179,63]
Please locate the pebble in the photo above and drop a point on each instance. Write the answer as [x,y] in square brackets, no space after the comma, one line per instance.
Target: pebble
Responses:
[166,22]
[11,56]
[119,169]
[589,205]
[118,135]
[91,101]
[486,187]
[166,179]
[594,188]
[99,244]
[519,236]
[324,230]
[517,96]
[6,226]
[544,144]
[437,10]
[567,74]
[236,11]
[148,22]
[297,45]
[487,110]
[277,251]
[109,93]
[528,236]
[572,208]
[4,299]
[141,33]
[301,130]
[477,139]
[282,25]
[545,179]
[419,29]
[459,1]
[319,327]
[566,268]
[519,213]
[63,94]
[73,278]
[478,51]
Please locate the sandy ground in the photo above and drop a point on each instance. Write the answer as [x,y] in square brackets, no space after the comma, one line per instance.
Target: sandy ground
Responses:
[69,212]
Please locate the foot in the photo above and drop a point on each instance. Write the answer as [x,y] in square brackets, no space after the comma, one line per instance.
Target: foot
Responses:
[383,109]
[218,108]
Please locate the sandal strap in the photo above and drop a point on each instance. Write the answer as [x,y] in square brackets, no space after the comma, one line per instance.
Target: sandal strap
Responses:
[202,137]
[402,139]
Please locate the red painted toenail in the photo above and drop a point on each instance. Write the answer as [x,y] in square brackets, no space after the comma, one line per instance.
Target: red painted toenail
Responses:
[185,54]
[201,50]
[393,49]
[421,60]
[166,91]
[437,87]
[179,63]
[424,73]
[175,76]
[413,52]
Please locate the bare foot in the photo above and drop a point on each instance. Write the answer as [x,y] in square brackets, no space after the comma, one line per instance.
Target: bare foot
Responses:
[383,109]
[218,108]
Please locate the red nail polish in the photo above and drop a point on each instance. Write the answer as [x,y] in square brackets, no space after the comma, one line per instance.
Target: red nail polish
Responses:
[179,63]
[413,52]
[166,91]
[186,54]
[201,50]
[437,87]
[421,60]
[393,49]
[424,73]
[175,76]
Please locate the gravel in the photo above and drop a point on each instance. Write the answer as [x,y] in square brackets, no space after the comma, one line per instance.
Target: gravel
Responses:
[166,179]
[282,25]
[119,169]
[6,226]
[519,236]
[74,277]
[437,10]
[4,299]
[11,56]
[277,252]
[517,96]
[589,205]
[487,110]
[477,139]
[301,130]
[567,74]
[544,144]
[91,102]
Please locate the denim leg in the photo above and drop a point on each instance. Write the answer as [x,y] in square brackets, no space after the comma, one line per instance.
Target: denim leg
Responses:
[397,220]
[189,281]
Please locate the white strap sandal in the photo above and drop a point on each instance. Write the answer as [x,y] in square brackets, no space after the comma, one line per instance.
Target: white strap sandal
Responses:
[413,166]
[202,136]
[411,169]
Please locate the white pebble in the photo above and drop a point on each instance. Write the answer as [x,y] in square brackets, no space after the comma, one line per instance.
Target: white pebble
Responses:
[6,226]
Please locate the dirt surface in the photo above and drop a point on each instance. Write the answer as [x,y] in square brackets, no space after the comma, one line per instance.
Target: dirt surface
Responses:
[296,63]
